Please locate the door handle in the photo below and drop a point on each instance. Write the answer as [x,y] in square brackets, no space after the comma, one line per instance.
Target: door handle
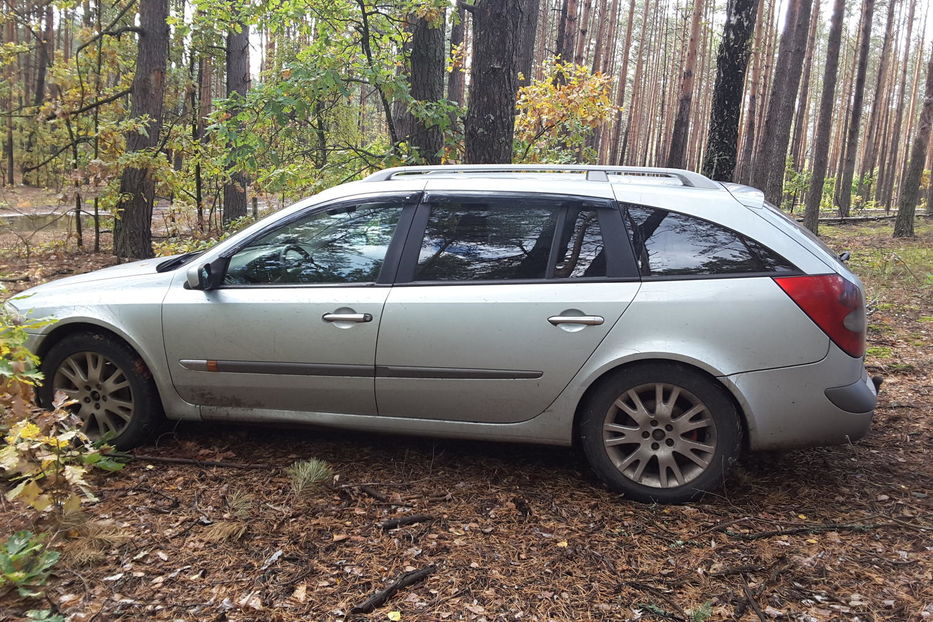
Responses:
[347,317]
[587,320]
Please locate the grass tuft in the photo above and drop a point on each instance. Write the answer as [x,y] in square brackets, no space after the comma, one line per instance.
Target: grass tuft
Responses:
[308,475]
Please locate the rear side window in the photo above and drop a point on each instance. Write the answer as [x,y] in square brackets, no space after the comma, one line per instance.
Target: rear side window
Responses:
[580,251]
[487,240]
[669,243]
[510,238]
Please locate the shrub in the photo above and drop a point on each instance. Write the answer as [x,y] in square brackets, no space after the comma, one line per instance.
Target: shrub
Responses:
[25,563]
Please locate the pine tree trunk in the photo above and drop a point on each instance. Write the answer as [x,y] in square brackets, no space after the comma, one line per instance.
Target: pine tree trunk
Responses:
[455,79]
[525,55]
[872,135]
[490,122]
[861,68]
[910,189]
[579,55]
[799,142]
[731,63]
[825,120]
[237,85]
[567,30]
[132,235]
[770,161]
[621,88]
[427,84]
[679,135]
[889,165]
[11,103]
[747,135]
[44,54]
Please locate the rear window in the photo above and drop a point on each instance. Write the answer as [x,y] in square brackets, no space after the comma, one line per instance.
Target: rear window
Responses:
[799,228]
[669,243]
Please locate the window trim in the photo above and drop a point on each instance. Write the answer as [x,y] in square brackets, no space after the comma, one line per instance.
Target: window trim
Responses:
[619,258]
[623,211]
[410,201]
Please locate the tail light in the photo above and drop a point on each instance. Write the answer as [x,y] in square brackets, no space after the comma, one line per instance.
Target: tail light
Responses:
[834,304]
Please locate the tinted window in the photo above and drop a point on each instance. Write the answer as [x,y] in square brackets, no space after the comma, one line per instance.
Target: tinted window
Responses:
[670,243]
[487,239]
[346,244]
[581,252]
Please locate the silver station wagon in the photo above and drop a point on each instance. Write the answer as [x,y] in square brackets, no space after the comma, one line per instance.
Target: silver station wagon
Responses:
[660,321]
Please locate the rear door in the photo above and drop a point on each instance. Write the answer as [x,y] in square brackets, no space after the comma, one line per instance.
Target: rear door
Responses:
[499,300]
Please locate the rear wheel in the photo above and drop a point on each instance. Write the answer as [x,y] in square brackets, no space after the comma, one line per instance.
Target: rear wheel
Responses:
[111,385]
[660,432]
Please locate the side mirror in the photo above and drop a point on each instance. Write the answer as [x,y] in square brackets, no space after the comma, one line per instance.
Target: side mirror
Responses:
[206,276]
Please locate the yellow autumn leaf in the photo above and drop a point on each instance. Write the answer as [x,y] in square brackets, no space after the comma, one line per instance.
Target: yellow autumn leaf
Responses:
[395,616]
[562,544]
[23,430]
[72,504]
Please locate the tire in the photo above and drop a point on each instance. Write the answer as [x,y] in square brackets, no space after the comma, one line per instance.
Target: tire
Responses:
[695,433]
[117,398]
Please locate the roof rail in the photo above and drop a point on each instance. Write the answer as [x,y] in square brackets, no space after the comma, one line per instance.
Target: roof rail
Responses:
[593,173]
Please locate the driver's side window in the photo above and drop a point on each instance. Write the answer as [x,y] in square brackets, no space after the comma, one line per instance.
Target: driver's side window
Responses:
[343,244]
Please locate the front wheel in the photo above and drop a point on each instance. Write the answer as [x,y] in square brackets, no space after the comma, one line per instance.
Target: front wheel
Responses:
[660,433]
[112,388]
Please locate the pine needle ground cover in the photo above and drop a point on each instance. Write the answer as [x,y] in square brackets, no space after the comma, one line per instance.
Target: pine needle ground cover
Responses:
[521,533]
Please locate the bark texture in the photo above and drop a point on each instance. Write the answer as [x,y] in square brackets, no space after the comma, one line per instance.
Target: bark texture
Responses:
[825,121]
[861,68]
[132,235]
[237,85]
[910,189]
[490,122]
[427,84]
[731,63]
[455,79]
[771,157]
[675,157]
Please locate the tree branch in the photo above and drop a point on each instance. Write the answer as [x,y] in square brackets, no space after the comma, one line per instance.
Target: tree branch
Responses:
[92,105]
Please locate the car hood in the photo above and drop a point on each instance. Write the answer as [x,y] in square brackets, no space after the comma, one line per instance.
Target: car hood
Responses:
[135,268]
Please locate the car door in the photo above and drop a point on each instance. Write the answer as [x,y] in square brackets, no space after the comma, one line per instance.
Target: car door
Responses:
[499,301]
[293,327]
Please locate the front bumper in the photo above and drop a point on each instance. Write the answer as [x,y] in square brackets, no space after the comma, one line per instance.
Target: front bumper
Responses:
[806,405]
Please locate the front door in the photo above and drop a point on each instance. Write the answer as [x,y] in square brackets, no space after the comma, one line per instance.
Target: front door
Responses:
[506,298]
[294,325]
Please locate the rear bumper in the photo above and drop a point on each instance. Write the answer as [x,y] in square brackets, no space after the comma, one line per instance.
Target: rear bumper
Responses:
[806,405]
[858,397]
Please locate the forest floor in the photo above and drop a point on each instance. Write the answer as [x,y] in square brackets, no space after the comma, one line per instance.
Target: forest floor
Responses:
[517,532]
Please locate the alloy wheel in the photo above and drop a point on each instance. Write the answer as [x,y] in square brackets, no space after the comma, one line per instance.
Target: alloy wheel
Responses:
[101,389]
[659,435]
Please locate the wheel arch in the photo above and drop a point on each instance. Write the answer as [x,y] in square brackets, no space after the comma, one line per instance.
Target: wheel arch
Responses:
[63,330]
[621,367]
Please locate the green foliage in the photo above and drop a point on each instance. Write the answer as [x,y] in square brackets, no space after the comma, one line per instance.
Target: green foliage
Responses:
[43,615]
[25,563]
[44,456]
[702,613]
[827,200]
[796,184]
[47,457]
[18,366]
[558,114]
[308,475]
